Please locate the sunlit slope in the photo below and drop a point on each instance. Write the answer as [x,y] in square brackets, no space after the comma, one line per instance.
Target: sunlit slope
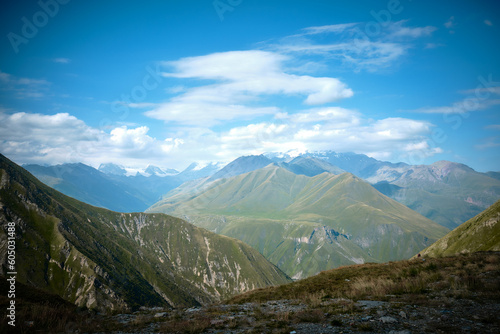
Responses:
[481,233]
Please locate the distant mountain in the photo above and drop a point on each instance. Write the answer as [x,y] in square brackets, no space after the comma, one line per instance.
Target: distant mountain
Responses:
[309,166]
[357,164]
[153,170]
[448,193]
[242,165]
[301,165]
[89,185]
[481,233]
[304,224]
[110,261]
[110,188]
[198,171]
[448,200]
[495,175]
[113,169]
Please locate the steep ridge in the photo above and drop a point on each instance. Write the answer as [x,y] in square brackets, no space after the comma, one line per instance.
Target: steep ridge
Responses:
[107,260]
[481,233]
[305,224]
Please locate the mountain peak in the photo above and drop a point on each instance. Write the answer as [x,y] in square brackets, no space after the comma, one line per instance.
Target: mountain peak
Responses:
[242,165]
[111,168]
[154,170]
[449,165]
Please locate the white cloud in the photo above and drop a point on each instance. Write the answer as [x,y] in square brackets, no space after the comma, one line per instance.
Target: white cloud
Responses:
[417,32]
[493,127]
[488,143]
[62,138]
[138,105]
[488,23]
[461,107]
[335,28]
[62,60]
[483,92]
[352,45]
[243,79]
[450,23]
[131,138]
[341,130]
[237,86]
[478,99]
[23,87]
[433,45]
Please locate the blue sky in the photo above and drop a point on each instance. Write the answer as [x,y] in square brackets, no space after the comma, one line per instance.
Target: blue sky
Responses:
[172,82]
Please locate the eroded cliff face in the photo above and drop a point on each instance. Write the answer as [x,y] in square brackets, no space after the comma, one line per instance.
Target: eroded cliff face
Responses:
[106,260]
[44,258]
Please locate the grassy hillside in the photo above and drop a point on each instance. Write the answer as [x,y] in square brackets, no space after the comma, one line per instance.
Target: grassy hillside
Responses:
[304,224]
[461,275]
[102,259]
[481,233]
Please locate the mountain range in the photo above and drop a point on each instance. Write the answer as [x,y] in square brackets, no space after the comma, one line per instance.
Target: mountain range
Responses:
[304,224]
[294,217]
[445,192]
[107,260]
[110,187]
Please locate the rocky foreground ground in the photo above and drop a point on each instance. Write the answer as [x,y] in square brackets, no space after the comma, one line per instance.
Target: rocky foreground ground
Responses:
[459,294]
[439,315]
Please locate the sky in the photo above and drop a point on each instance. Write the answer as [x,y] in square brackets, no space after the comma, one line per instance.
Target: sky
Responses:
[173,82]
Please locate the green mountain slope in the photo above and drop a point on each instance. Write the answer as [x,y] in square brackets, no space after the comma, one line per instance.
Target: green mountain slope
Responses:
[304,224]
[481,233]
[102,259]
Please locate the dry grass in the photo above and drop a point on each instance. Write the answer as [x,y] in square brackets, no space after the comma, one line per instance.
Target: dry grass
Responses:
[197,325]
[309,315]
[364,286]
[314,299]
[463,275]
[283,316]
